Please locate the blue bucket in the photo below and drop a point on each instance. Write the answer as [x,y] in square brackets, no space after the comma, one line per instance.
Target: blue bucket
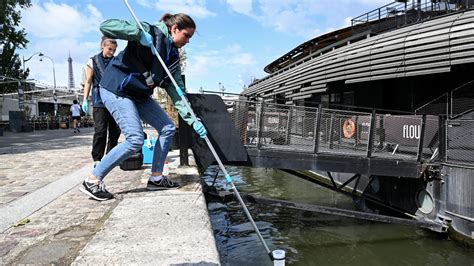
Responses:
[147,150]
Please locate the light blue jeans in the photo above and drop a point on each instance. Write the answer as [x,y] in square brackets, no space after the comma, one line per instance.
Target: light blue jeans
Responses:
[127,113]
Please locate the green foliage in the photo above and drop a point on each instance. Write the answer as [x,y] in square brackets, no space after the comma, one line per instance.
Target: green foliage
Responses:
[183,57]
[11,37]
[63,110]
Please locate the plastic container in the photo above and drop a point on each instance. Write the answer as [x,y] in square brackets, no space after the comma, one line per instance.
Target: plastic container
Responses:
[147,150]
[279,257]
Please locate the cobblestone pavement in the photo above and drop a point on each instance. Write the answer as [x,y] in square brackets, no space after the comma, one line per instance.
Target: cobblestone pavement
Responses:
[57,232]
[29,161]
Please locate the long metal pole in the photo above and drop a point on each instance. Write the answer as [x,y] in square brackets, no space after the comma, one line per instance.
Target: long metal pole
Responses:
[54,75]
[55,98]
[209,144]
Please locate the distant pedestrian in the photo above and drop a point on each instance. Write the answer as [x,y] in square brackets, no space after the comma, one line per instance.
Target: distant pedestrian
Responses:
[76,115]
[126,88]
[103,120]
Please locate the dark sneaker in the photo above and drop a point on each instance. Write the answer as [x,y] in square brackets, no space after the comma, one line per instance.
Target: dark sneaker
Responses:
[96,191]
[163,184]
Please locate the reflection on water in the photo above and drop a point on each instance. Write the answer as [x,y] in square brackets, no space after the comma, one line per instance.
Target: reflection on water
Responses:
[312,238]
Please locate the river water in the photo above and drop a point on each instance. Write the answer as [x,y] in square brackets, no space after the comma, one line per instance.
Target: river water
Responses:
[313,238]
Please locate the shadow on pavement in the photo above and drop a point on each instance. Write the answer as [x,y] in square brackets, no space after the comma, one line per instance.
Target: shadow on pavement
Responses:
[134,190]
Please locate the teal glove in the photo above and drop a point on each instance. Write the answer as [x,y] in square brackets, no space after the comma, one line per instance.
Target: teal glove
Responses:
[85,106]
[200,129]
[147,40]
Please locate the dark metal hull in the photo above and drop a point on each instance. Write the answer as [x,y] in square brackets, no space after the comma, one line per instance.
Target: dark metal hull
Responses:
[447,201]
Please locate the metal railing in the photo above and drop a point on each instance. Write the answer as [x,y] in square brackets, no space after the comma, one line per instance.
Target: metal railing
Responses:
[369,133]
[457,127]
[45,122]
[48,122]
[452,104]
[407,12]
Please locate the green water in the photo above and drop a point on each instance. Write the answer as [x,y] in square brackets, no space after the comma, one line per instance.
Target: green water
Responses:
[317,239]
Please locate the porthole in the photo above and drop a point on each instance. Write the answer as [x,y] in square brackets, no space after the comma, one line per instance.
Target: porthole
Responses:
[425,202]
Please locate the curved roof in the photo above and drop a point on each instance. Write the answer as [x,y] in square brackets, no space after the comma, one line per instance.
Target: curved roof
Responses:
[425,48]
[308,47]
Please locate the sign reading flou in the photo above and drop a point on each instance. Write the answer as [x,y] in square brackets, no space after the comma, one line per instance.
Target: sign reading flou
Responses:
[411,131]
[406,130]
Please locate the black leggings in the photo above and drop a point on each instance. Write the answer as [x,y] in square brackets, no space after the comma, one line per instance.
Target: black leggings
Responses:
[103,120]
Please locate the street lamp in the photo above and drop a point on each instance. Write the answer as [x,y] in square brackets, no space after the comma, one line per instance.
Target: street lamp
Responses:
[54,72]
[55,98]
[221,87]
[28,59]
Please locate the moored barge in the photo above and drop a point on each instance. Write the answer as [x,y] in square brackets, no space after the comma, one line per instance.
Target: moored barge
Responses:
[411,61]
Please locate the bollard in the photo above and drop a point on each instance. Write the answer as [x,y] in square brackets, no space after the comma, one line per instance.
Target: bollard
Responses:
[278,257]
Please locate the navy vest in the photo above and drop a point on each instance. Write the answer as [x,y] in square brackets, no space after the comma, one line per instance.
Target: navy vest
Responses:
[136,67]
[99,64]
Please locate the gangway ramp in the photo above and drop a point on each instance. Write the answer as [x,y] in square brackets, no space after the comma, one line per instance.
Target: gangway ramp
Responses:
[260,134]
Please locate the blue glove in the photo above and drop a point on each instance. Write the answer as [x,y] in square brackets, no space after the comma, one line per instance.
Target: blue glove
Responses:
[200,129]
[147,40]
[85,106]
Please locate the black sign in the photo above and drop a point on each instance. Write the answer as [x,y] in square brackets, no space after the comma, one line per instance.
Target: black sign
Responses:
[406,129]
[55,98]
[21,96]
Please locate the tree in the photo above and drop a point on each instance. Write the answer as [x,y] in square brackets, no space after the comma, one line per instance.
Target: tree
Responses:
[183,56]
[11,38]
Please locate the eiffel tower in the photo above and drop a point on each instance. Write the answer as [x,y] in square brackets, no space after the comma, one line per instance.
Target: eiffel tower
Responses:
[71,84]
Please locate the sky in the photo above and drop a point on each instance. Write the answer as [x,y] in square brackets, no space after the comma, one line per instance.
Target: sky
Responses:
[235,39]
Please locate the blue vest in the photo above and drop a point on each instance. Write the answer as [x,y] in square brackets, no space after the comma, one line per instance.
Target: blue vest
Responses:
[99,64]
[136,67]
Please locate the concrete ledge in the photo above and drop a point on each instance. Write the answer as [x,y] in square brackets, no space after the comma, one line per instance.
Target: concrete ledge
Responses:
[159,228]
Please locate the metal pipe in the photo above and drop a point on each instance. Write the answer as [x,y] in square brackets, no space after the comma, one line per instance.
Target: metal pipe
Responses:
[371,134]
[422,138]
[260,125]
[331,133]
[317,128]
[288,126]
[209,144]
[55,99]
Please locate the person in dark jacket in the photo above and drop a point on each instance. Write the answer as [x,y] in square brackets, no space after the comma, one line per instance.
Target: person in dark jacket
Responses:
[103,120]
[126,88]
